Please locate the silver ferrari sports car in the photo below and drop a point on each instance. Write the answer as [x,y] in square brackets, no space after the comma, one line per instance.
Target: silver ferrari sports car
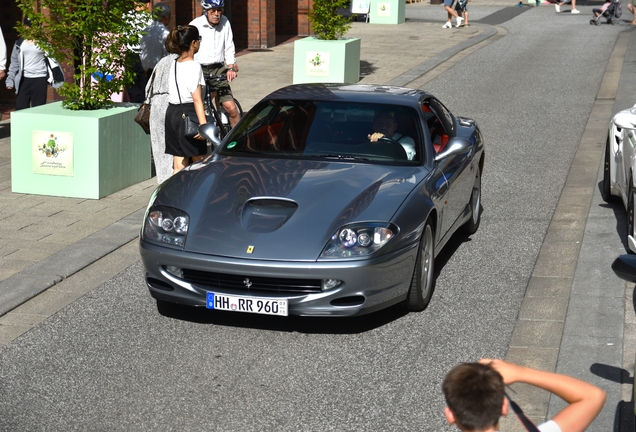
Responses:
[325,200]
[619,167]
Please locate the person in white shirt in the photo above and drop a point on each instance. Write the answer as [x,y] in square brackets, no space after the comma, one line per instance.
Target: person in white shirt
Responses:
[3,57]
[475,397]
[218,53]
[28,73]
[153,41]
[185,81]
[385,126]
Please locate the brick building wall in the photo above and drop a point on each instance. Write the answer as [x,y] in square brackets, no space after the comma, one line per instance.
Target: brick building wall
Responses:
[255,24]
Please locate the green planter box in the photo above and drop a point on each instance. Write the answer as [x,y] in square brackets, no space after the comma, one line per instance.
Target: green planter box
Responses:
[326,61]
[78,154]
[388,11]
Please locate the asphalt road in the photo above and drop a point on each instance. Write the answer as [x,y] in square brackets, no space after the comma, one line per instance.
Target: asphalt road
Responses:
[109,361]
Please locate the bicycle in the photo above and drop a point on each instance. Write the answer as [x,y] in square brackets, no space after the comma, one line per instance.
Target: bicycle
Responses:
[216,110]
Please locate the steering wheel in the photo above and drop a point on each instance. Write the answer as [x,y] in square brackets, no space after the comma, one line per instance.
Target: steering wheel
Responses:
[390,140]
[391,148]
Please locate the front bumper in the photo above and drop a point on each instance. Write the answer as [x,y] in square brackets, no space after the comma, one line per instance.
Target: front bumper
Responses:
[367,285]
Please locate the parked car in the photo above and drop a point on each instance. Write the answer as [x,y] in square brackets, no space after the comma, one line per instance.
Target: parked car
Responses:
[625,268]
[619,167]
[299,212]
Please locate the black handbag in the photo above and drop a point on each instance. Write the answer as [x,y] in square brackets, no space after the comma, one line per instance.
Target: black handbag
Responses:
[143,113]
[191,121]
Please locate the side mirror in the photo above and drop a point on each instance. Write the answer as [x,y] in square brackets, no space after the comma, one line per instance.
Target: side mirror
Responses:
[625,120]
[625,267]
[455,146]
[211,132]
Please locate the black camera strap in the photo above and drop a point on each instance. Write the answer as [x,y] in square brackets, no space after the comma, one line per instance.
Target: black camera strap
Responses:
[525,421]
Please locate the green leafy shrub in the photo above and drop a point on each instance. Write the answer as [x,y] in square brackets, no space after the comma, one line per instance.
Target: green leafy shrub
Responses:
[326,22]
[91,35]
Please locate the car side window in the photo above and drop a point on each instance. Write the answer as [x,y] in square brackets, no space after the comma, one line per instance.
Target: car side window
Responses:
[437,126]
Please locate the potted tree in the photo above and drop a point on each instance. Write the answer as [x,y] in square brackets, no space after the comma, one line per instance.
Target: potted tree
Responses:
[327,56]
[86,146]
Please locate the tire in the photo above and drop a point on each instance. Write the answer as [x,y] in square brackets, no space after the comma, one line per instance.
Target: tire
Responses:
[423,280]
[472,225]
[606,191]
[240,108]
[631,201]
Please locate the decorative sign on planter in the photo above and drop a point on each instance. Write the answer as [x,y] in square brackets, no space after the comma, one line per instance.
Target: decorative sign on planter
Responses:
[52,153]
[384,9]
[317,64]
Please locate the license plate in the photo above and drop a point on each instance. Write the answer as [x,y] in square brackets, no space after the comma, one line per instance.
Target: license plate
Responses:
[265,306]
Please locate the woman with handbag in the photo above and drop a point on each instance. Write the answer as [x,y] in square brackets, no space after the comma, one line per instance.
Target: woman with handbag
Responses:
[185,80]
[157,97]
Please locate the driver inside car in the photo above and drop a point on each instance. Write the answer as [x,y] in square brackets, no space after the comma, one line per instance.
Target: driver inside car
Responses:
[385,126]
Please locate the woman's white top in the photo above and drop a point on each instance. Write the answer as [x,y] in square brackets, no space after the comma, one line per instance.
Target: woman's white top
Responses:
[189,77]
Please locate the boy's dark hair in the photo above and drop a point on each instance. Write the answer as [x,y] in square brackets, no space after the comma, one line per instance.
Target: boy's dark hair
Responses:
[474,393]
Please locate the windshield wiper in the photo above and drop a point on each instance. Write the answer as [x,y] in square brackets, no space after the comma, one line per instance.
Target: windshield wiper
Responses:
[336,156]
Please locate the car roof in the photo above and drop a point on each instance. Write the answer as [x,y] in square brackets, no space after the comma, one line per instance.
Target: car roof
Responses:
[370,93]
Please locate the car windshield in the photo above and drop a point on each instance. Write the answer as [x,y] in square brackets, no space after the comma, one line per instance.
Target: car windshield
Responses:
[328,130]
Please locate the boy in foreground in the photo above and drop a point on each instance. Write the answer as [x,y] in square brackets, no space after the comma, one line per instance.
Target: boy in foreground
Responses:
[475,396]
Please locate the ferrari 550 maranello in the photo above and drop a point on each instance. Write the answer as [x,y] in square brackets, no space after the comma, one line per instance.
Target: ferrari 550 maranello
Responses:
[620,165]
[325,200]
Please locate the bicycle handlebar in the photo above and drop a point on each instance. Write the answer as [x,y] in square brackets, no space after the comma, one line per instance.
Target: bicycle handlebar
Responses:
[215,78]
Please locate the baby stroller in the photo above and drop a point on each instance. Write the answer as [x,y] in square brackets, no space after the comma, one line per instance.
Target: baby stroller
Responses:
[611,10]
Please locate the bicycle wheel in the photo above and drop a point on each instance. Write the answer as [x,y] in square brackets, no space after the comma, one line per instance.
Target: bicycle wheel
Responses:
[238,105]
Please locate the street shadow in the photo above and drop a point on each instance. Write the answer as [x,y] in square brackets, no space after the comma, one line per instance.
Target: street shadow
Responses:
[624,412]
[366,68]
[451,247]
[5,130]
[289,324]
[620,214]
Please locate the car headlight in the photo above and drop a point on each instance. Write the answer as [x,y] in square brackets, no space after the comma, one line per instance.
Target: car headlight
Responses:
[353,241]
[166,226]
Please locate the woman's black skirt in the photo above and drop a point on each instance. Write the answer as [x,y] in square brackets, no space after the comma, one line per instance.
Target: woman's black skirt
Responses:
[176,143]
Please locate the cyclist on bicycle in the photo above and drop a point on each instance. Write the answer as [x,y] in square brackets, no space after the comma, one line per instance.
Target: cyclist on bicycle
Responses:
[217,52]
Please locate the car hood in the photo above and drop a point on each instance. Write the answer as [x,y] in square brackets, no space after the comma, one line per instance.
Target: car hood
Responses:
[281,209]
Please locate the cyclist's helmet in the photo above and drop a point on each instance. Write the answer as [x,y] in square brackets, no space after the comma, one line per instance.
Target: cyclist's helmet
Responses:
[211,4]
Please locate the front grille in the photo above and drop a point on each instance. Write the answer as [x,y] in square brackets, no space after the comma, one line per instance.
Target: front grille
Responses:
[255,283]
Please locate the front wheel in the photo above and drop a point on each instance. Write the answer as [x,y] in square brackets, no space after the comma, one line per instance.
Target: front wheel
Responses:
[423,281]
[240,108]
[226,128]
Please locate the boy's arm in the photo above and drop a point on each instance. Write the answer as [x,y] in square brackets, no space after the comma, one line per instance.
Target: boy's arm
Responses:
[584,400]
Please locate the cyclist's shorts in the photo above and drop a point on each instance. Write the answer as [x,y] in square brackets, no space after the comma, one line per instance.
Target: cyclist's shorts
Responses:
[223,87]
